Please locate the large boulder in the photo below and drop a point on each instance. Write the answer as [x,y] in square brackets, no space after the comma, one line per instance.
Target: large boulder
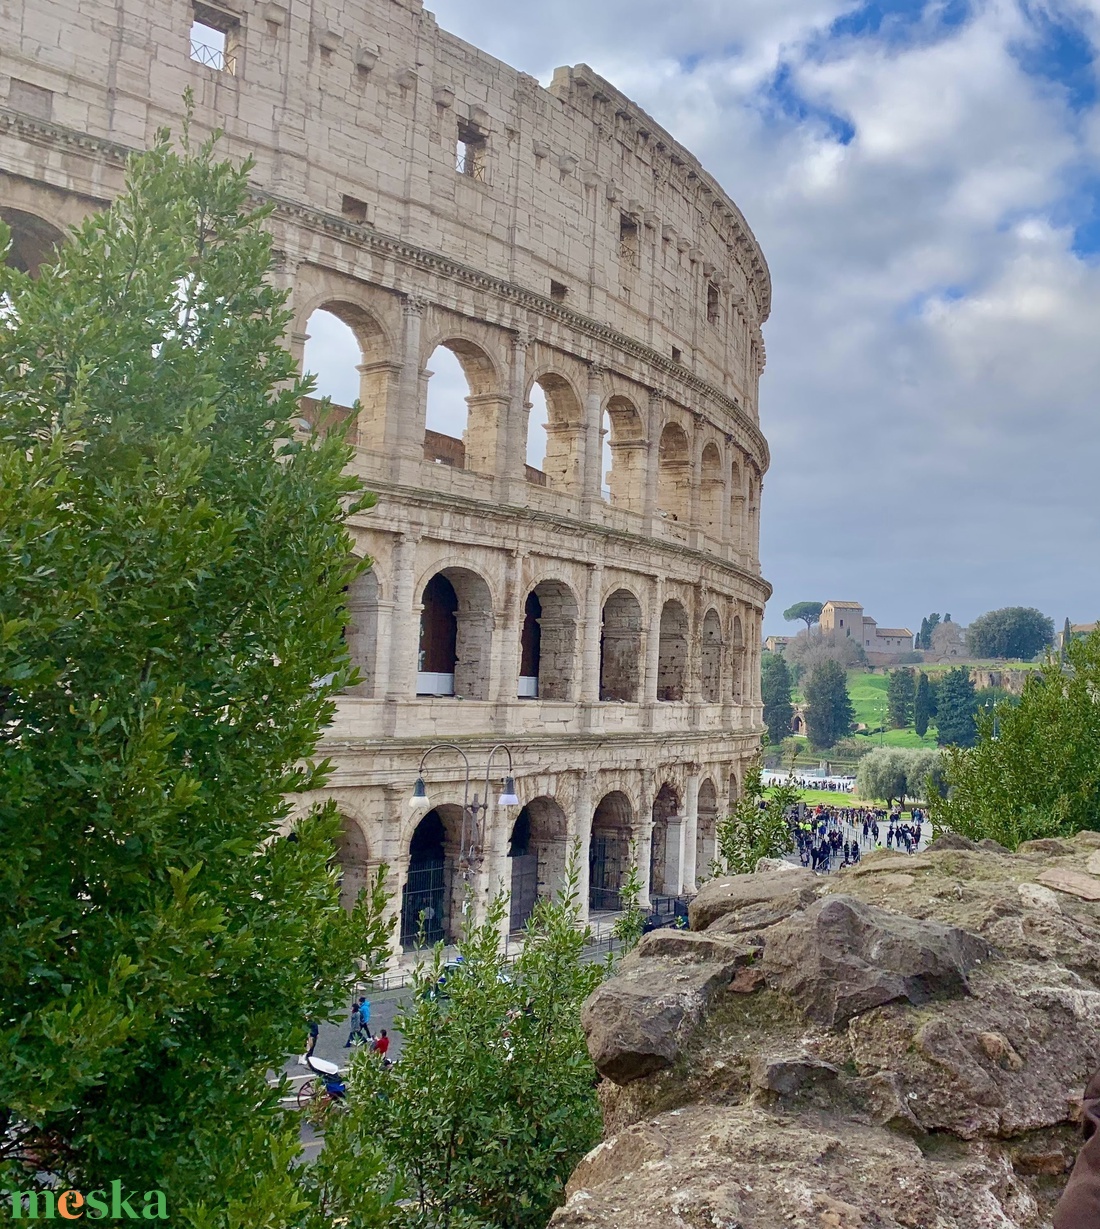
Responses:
[842,957]
[901,1044]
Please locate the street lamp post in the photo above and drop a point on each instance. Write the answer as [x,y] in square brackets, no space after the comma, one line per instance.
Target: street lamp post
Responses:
[474,813]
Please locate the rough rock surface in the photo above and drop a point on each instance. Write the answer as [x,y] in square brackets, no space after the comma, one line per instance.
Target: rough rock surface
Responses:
[901,1044]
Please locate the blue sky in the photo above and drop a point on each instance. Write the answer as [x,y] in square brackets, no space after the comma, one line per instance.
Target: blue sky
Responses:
[924,177]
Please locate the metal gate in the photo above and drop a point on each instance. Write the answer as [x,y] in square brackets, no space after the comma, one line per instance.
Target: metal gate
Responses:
[424,901]
[525,888]
[605,873]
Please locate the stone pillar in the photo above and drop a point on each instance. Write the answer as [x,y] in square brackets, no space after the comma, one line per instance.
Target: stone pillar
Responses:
[725,529]
[296,344]
[592,440]
[653,433]
[579,829]
[653,640]
[643,854]
[405,622]
[689,832]
[393,850]
[593,617]
[512,462]
[405,421]
[695,514]
[506,648]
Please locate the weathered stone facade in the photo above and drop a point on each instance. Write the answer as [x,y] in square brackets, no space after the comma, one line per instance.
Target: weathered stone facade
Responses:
[427,194]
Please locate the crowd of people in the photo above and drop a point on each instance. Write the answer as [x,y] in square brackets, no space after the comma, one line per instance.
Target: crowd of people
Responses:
[828,838]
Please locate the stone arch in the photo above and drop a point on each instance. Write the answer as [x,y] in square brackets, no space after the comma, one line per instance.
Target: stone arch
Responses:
[431,893]
[547,642]
[461,428]
[349,351]
[664,843]
[672,655]
[609,851]
[737,660]
[620,647]
[456,623]
[33,240]
[363,600]
[711,658]
[706,828]
[563,463]
[538,848]
[353,860]
[623,455]
[711,491]
[752,517]
[734,789]
[674,473]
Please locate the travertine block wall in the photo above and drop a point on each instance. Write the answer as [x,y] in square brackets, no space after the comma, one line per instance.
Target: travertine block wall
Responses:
[589,252]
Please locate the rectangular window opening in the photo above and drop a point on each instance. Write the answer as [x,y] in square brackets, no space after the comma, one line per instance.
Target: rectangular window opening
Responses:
[354,209]
[712,304]
[471,150]
[558,291]
[628,240]
[214,37]
[677,354]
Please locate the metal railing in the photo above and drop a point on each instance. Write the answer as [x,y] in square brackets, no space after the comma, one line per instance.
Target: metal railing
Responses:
[211,57]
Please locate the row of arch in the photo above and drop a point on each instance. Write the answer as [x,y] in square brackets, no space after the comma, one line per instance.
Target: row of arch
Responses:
[457,626]
[464,399]
[537,850]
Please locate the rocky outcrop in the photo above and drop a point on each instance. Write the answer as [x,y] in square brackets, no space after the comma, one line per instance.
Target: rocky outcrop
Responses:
[901,1044]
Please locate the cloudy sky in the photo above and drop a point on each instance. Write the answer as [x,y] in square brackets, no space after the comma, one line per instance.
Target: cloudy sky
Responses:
[924,178]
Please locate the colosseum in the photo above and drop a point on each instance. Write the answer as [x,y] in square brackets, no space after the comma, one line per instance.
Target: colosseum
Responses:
[566,575]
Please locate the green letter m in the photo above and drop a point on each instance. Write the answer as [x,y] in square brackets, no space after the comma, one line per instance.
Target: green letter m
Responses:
[28,1201]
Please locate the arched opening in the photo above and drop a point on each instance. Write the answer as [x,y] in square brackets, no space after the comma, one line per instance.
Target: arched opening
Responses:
[463,408]
[608,852]
[737,508]
[537,848]
[455,634]
[737,660]
[352,857]
[538,418]
[672,657]
[547,641]
[734,790]
[620,647]
[674,474]
[706,829]
[624,456]
[711,492]
[711,658]
[361,631]
[796,724]
[664,845]
[427,898]
[33,241]
[564,419]
[347,353]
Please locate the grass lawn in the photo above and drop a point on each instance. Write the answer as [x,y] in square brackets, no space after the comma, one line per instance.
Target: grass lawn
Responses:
[828,798]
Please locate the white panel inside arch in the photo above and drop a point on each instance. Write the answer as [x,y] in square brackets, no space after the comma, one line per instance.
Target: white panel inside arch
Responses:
[536,429]
[447,393]
[332,354]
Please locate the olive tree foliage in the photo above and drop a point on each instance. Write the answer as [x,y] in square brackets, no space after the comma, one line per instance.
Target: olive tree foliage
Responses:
[1015,631]
[493,1100]
[757,826]
[172,565]
[893,774]
[809,649]
[1036,772]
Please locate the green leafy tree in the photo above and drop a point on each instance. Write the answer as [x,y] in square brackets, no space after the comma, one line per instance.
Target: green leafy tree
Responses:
[922,705]
[1067,636]
[757,827]
[172,562]
[829,712]
[493,1101]
[893,774]
[1040,775]
[901,694]
[955,708]
[808,612]
[775,691]
[1015,631]
[927,627]
[629,926]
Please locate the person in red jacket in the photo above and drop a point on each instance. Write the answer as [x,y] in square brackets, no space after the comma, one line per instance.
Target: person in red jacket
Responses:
[1079,1207]
[381,1044]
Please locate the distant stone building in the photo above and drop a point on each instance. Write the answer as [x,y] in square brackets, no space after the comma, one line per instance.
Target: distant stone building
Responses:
[776,644]
[848,619]
[1077,631]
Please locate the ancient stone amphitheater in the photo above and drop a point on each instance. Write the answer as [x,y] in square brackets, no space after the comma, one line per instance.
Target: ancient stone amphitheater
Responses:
[597,612]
